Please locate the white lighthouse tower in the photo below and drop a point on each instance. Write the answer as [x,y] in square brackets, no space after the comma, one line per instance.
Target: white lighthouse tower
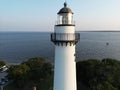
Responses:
[65,39]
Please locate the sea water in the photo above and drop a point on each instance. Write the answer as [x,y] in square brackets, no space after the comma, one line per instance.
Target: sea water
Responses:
[16,47]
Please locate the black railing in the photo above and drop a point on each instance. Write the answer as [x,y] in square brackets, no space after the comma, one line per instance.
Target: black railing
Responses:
[65,37]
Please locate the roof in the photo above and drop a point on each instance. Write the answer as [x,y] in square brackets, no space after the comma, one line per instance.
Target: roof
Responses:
[65,9]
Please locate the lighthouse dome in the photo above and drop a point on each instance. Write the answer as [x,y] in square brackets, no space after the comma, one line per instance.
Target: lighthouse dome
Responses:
[65,9]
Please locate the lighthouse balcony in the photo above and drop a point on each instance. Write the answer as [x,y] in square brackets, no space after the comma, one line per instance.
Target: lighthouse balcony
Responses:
[61,38]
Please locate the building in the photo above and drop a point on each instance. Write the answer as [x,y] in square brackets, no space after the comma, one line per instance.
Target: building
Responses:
[65,39]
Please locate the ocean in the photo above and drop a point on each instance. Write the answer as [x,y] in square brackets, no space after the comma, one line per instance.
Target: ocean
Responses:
[16,47]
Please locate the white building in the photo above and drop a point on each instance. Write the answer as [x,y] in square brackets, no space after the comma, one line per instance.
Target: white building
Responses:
[65,39]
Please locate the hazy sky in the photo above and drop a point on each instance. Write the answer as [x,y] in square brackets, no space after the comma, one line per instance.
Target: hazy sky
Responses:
[41,14]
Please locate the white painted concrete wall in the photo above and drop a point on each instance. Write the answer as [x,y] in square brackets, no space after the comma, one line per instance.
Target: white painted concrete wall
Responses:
[65,68]
[64,29]
[65,65]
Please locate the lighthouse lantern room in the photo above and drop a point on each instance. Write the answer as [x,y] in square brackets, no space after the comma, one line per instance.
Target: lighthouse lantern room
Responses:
[65,15]
[65,39]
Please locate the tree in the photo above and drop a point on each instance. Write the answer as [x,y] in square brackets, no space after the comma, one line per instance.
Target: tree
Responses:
[39,70]
[35,63]
[32,71]
[104,86]
[2,63]
[18,73]
[86,71]
[99,74]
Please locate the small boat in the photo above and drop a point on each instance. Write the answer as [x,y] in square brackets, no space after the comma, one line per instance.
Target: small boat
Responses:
[107,43]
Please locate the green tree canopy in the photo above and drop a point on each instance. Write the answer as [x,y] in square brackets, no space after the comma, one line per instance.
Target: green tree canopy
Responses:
[99,73]
[18,73]
[2,63]
[34,70]
[39,68]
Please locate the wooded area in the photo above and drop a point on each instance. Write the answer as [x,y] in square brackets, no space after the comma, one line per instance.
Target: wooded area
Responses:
[92,74]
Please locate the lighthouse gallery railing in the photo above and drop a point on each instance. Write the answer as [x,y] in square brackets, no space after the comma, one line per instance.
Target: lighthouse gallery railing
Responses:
[65,37]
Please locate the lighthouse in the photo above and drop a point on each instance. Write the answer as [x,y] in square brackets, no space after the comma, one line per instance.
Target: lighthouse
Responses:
[65,39]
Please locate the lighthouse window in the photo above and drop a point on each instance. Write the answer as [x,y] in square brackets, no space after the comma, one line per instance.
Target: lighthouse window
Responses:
[65,19]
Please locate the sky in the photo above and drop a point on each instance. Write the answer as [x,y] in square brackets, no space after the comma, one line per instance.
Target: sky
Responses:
[41,15]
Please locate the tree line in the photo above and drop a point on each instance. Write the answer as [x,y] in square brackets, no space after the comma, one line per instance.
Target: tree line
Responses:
[92,74]
[30,73]
[99,74]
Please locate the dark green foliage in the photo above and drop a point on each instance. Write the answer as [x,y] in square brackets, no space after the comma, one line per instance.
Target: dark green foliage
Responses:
[18,73]
[99,75]
[2,63]
[35,63]
[91,74]
[32,71]
[39,69]
[104,86]
[45,84]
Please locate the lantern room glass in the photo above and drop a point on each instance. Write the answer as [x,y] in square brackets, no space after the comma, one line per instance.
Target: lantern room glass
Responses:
[65,18]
